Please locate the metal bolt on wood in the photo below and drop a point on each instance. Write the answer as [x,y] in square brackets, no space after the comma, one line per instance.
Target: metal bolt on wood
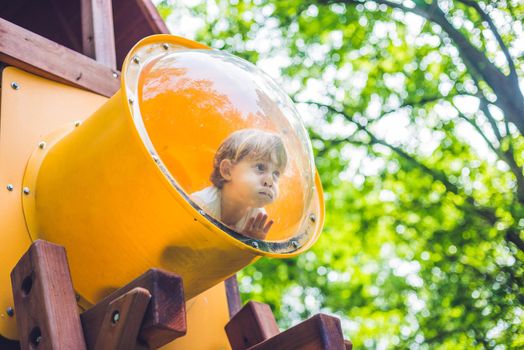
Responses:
[254,245]
[116,317]
[15,85]
[77,124]
[312,217]
[26,190]
[41,145]
[165,46]
[294,244]
[10,311]
[10,187]
[136,59]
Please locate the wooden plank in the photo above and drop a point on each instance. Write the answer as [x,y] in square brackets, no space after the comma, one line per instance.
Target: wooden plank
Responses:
[253,324]
[38,55]
[98,37]
[119,330]
[152,17]
[234,302]
[45,304]
[320,332]
[165,318]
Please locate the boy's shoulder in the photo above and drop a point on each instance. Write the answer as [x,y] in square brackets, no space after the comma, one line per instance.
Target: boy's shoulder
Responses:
[209,199]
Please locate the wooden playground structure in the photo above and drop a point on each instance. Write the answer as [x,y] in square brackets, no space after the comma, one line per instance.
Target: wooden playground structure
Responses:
[76,50]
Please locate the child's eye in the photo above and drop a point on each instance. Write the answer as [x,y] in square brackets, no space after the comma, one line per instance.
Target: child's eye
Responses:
[260,167]
[276,174]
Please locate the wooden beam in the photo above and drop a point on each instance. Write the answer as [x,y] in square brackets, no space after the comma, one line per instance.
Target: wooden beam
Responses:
[122,321]
[165,318]
[234,302]
[253,324]
[45,304]
[320,332]
[152,16]
[38,55]
[98,36]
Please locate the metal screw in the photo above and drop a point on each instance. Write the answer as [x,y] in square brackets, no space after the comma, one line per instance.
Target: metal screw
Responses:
[294,244]
[136,59]
[254,245]
[10,187]
[312,217]
[41,145]
[201,212]
[15,85]
[26,190]
[10,311]
[115,75]
[165,46]
[77,124]
[116,317]
[130,100]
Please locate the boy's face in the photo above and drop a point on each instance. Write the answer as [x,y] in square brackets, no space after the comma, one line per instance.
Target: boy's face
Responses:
[253,182]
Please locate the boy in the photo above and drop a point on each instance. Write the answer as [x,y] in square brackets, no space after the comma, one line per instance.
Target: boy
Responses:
[246,171]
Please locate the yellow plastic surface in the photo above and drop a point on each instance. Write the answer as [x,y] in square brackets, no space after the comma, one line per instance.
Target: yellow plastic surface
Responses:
[37,108]
[207,315]
[40,108]
[106,197]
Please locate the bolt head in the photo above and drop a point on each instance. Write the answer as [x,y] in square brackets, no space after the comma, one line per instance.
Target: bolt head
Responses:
[26,190]
[130,101]
[77,124]
[294,244]
[312,217]
[115,75]
[116,317]
[254,245]
[10,311]
[10,187]
[165,46]
[15,85]
[136,59]
[41,145]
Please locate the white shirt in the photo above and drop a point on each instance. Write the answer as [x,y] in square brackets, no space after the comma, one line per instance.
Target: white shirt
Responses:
[210,199]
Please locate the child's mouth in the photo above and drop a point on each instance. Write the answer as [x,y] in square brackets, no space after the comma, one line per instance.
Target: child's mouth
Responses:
[267,194]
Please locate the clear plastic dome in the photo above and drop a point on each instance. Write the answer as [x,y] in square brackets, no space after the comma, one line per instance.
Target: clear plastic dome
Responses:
[192,100]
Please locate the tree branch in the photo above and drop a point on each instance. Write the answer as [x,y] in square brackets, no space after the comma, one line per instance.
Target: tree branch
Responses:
[509,95]
[487,213]
[494,30]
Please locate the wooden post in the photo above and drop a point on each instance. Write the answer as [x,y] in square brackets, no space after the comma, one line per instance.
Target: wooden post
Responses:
[45,304]
[165,318]
[253,324]
[98,35]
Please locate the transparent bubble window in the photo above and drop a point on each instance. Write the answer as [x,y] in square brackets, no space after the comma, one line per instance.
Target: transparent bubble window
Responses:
[192,100]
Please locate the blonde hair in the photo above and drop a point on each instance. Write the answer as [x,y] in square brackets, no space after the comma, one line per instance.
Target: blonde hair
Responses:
[249,144]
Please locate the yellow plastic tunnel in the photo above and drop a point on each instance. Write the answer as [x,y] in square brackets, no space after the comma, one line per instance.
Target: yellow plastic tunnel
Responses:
[115,189]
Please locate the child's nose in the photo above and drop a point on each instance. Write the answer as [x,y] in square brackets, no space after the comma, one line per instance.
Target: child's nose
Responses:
[268,181]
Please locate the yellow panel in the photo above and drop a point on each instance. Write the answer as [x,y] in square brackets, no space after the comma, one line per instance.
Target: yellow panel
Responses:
[27,114]
[207,315]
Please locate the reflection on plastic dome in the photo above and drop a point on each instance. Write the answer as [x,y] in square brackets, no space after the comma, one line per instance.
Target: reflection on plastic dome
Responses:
[231,138]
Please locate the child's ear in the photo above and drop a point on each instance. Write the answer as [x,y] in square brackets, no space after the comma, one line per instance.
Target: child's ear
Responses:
[225,169]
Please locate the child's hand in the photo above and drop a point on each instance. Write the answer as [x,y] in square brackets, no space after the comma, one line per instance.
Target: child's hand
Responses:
[256,227]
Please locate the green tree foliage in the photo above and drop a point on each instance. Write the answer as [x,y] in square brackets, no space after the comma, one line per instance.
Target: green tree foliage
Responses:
[418,135]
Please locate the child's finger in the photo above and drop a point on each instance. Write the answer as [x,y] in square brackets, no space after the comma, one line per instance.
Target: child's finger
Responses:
[268,226]
[258,218]
[262,222]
